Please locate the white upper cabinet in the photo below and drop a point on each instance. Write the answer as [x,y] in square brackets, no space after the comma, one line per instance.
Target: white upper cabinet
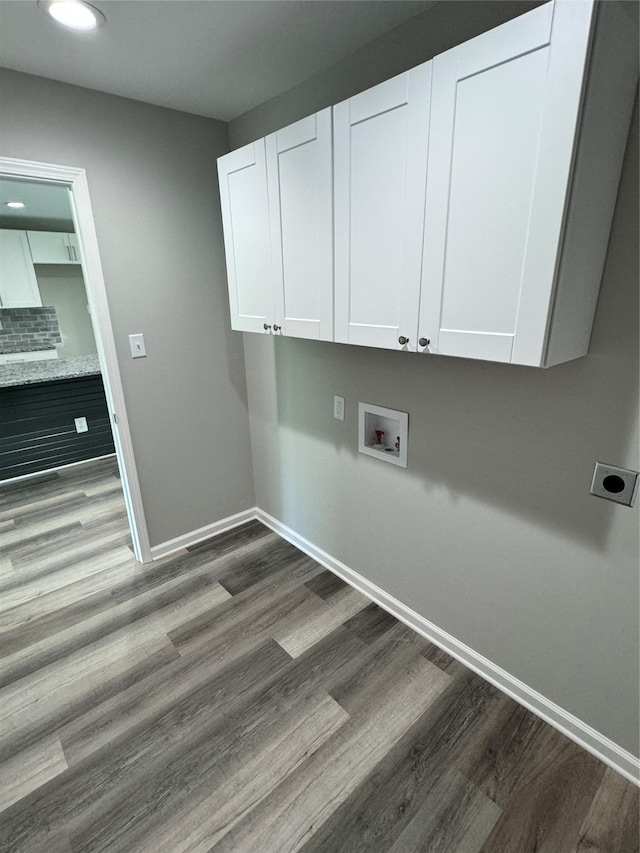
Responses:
[277,211]
[245,217]
[472,198]
[49,247]
[18,284]
[505,120]
[380,151]
[300,176]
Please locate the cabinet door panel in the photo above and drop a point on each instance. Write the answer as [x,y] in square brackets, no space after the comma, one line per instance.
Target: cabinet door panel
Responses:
[18,284]
[51,247]
[380,148]
[245,216]
[490,113]
[299,172]
[568,55]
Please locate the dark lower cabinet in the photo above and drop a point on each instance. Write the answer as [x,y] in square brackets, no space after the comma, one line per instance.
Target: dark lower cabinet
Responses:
[37,429]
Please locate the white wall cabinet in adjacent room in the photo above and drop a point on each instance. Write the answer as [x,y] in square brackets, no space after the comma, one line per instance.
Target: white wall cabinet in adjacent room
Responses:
[18,284]
[277,214]
[380,151]
[52,247]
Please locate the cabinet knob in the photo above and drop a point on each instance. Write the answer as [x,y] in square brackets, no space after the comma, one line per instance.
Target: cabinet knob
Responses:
[276,328]
[402,340]
[424,342]
[266,327]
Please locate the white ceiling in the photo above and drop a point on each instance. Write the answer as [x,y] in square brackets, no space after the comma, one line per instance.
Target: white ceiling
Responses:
[217,58]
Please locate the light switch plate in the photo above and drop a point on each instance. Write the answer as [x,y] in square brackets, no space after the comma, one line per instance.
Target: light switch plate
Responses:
[614,484]
[136,342]
[338,408]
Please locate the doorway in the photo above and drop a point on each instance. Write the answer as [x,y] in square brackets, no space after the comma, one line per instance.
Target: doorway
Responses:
[74,179]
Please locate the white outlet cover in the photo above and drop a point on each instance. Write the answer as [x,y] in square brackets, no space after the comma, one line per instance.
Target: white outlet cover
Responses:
[338,408]
[81,424]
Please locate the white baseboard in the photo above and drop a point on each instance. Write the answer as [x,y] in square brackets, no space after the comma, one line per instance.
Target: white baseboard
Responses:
[196,536]
[606,750]
[54,470]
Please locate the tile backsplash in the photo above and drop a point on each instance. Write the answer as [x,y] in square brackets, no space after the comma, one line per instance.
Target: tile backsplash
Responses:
[28,329]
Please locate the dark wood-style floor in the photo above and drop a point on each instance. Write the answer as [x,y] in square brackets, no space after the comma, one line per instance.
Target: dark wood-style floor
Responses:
[238,697]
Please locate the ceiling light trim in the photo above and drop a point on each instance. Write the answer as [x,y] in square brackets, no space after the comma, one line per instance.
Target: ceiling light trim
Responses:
[87,17]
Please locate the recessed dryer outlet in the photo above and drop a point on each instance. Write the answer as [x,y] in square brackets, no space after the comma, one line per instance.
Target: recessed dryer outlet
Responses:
[615,484]
[383,433]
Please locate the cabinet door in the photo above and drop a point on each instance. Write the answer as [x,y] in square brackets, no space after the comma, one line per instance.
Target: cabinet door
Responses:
[18,284]
[48,247]
[380,149]
[300,185]
[504,114]
[247,242]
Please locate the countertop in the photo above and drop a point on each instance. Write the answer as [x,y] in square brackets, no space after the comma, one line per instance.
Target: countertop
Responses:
[31,372]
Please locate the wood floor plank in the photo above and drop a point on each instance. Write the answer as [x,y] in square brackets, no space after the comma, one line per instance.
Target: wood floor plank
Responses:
[29,507]
[455,818]
[218,725]
[254,605]
[382,807]
[26,584]
[550,800]
[186,564]
[326,584]
[358,688]
[370,623]
[71,546]
[233,720]
[144,702]
[45,597]
[79,682]
[497,768]
[7,572]
[302,630]
[92,613]
[92,797]
[289,816]
[27,544]
[30,769]
[614,817]
[76,508]
[248,780]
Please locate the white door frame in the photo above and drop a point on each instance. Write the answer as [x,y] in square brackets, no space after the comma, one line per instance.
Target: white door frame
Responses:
[76,180]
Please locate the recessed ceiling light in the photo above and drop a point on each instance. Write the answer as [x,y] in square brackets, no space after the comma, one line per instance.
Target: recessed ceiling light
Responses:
[75,14]
[15,205]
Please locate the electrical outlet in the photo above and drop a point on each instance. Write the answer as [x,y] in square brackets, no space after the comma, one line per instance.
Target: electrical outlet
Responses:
[338,408]
[81,424]
[615,484]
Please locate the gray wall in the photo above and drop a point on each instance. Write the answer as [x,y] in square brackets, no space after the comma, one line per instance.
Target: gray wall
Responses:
[62,286]
[490,533]
[153,185]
